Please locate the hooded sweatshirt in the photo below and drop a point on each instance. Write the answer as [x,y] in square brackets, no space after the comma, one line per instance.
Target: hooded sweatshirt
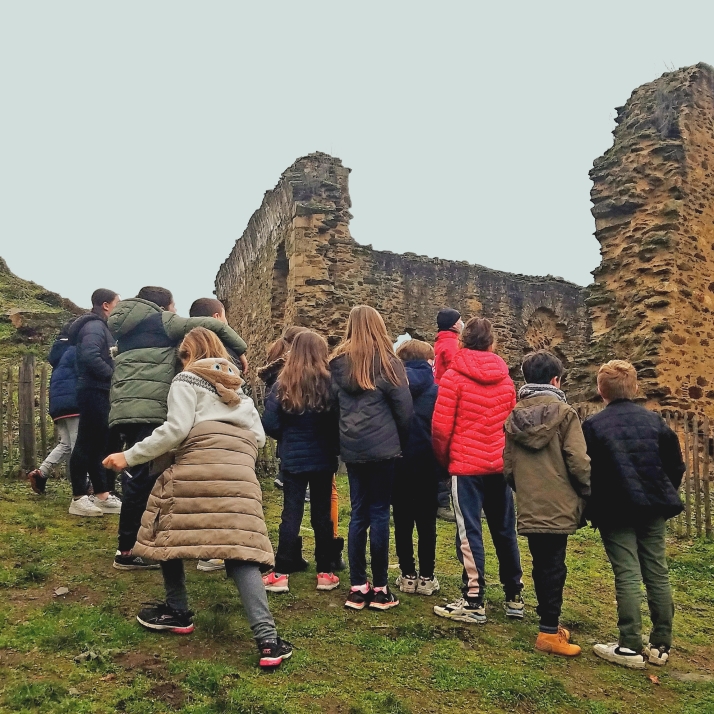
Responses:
[546,462]
[423,391]
[476,394]
[147,338]
[374,423]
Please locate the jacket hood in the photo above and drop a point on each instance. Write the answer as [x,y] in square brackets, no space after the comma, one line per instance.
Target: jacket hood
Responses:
[79,323]
[420,375]
[482,367]
[129,313]
[535,421]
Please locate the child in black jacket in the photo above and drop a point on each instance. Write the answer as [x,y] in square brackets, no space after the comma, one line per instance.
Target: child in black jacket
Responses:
[299,413]
[636,470]
[414,497]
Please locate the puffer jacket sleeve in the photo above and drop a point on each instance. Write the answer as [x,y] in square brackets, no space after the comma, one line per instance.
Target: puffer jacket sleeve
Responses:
[575,453]
[181,404]
[401,404]
[670,453]
[59,347]
[178,327]
[442,425]
[272,421]
[92,342]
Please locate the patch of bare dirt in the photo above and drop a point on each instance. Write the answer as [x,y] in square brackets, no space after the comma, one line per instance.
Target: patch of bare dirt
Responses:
[148,664]
[169,693]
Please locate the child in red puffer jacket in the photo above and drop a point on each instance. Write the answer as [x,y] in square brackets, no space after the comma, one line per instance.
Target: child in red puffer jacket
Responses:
[476,395]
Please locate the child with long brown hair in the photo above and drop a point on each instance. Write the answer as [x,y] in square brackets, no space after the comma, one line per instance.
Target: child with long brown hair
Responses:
[375,405]
[208,503]
[300,414]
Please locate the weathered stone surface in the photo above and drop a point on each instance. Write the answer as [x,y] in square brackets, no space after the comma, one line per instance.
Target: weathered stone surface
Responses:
[296,263]
[653,196]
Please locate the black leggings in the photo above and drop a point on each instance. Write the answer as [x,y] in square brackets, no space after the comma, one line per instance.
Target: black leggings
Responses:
[92,442]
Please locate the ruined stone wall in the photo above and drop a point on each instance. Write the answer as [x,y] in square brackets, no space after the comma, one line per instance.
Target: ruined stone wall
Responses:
[296,263]
[653,196]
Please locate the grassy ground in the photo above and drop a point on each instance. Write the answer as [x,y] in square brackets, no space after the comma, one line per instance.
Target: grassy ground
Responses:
[84,652]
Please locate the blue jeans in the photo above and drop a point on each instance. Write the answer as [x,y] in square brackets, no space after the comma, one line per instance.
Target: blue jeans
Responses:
[370,496]
[492,495]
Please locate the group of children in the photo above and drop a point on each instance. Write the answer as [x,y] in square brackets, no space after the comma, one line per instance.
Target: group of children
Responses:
[402,422]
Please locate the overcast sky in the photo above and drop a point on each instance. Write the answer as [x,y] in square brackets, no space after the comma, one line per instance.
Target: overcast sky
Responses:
[137,138]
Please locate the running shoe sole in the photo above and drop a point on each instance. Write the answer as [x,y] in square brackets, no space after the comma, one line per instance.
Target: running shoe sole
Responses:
[110,511]
[85,514]
[515,614]
[274,661]
[166,628]
[332,586]
[460,618]
[277,588]
[120,566]
[621,660]
[210,568]
[355,605]
[383,605]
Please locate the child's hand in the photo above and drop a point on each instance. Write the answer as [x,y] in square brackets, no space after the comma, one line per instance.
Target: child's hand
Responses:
[115,462]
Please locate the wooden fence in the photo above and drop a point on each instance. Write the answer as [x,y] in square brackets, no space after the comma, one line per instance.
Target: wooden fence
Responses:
[26,431]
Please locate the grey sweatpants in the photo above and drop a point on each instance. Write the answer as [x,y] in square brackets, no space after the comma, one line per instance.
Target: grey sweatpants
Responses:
[67,432]
[250,586]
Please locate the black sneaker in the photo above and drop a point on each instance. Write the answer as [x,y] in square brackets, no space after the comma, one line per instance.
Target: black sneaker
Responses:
[383,600]
[133,562]
[37,482]
[273,652]
[358,600]
[278,482]
[162,616]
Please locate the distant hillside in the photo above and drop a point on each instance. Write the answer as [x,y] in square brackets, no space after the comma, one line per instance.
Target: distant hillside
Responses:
[30,315]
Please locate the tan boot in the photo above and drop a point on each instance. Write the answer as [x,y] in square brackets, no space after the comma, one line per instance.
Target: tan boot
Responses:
[557,644]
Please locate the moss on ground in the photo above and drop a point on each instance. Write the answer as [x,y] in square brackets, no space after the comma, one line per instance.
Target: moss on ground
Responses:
[399,662]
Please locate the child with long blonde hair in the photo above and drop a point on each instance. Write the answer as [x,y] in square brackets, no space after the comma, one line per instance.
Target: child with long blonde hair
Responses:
[208,503]
[370,385]
[300,414]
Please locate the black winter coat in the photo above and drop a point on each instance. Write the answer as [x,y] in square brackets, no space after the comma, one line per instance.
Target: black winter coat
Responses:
[307,441]
[636,466]
[374,423]
[424,391]
[95,366]
[63,383]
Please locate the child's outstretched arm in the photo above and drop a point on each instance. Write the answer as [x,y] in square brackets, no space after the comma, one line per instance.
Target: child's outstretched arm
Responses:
[179,421]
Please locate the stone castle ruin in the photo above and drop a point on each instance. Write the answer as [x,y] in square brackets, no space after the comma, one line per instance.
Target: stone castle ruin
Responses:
[653,196]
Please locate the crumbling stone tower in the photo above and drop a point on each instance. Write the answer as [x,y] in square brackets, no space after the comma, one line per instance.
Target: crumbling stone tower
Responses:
[296,263]
[653,196]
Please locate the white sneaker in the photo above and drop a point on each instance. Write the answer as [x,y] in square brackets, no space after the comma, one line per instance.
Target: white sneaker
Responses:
[427,586]
[84,507]
[406,584]
[208,566]
[462,611]
[111,506]
[620,655]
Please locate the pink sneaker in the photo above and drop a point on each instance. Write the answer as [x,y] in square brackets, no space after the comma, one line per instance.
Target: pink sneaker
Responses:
[327,581]
[276,583]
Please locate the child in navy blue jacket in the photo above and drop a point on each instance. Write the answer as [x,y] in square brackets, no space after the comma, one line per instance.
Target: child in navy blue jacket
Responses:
[414,497]
[299,413]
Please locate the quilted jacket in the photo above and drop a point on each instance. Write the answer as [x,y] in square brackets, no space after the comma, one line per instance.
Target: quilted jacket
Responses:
[636,466]
[63,383]
[374,423]
[476,395]
[308,442]
[445,349]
